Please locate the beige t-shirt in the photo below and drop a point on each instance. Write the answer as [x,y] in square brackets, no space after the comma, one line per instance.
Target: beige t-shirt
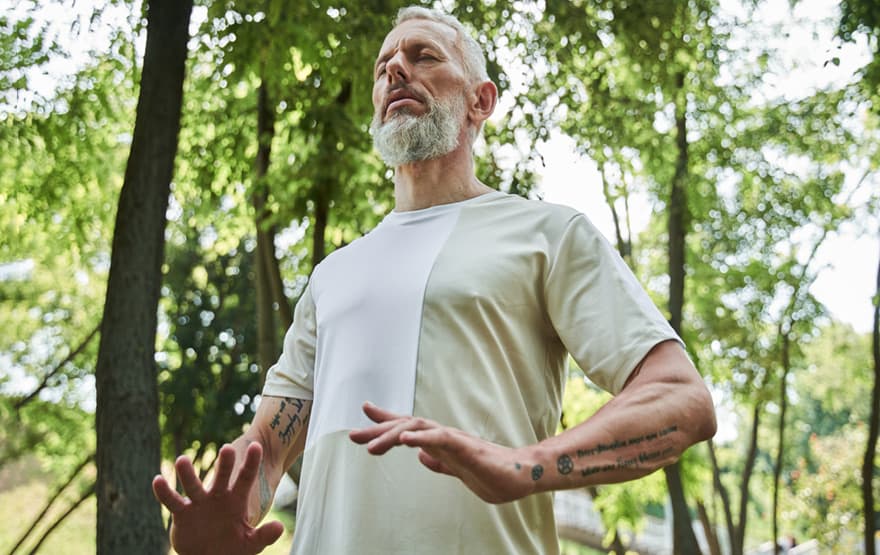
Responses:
[462,313]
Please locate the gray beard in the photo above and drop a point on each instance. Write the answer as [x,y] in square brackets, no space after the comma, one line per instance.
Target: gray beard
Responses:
[406,138]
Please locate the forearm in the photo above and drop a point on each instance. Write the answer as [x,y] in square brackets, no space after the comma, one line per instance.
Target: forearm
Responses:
[664,409]
[279,426]
[630,437]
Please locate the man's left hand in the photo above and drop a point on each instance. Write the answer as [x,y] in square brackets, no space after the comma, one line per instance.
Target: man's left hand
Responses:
[496,474]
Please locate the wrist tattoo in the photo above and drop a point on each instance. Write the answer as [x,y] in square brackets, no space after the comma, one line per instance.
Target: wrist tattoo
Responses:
[564,464]
[537,472]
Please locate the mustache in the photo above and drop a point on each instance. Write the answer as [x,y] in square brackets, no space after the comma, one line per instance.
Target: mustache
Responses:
[401,86]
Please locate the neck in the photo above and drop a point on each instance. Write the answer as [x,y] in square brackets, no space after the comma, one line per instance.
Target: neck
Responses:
[443,180]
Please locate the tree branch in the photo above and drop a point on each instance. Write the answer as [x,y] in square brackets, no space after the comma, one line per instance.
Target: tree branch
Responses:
[69,358]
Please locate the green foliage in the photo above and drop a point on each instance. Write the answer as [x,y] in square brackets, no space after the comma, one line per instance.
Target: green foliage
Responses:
[207,373]
[58,434]
[768,179]
[825,500]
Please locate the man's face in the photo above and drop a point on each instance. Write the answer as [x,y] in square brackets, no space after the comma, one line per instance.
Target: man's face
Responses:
[418,93]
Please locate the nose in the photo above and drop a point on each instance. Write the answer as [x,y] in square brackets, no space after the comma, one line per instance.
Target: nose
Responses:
[396,68]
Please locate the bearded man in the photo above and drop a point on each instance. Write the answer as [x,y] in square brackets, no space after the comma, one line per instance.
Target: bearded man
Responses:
[423,373]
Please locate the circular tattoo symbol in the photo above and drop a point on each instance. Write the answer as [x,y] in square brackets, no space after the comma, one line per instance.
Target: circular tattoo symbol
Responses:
[564,464]
[537,472]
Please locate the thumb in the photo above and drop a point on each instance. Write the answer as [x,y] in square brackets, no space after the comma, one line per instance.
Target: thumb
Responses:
[268,534]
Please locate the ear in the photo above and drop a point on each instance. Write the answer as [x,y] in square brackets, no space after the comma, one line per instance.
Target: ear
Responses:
[483,102]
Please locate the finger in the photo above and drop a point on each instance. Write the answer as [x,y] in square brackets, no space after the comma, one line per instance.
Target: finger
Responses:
[268,534]
[366,434]
[389,439]
[167,496]
[248,472]
[225,464]
[188,479]
[377,414]
[434,463]
[436,438]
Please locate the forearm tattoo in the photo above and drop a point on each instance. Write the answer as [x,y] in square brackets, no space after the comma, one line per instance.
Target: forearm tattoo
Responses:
[288,420]
[266,493]
[650,452]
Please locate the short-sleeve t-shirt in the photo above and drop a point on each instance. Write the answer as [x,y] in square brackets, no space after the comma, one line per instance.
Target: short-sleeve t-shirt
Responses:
[463,313]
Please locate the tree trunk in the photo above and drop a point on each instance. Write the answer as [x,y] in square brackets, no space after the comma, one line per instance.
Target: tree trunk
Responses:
[725,497]
[780,449]
[267,344]
[737,543]
[684,540]
[323,190]
[322,209]
[711,536]
[129,520]
[871,448]
[617,546]
[624,246]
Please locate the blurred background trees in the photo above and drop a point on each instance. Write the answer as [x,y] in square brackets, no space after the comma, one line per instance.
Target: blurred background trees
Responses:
[723,181]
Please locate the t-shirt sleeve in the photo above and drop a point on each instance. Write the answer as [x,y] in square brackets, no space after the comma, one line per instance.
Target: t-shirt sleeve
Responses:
[293,375]
[601,313]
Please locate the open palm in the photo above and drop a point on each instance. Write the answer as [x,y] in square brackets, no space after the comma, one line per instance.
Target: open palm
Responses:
[216,520]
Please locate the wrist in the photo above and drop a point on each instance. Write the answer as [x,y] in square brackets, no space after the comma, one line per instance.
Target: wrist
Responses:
[535,468]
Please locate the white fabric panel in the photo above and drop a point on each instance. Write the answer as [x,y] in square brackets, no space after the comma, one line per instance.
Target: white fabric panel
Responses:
[368,327]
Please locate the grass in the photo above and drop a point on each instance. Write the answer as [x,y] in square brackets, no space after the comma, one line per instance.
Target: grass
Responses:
[20,504]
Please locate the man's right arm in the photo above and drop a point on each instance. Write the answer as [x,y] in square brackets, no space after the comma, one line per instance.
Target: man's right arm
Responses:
[279,426]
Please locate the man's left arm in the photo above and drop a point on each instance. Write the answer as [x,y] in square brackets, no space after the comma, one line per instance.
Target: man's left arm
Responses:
[663,409]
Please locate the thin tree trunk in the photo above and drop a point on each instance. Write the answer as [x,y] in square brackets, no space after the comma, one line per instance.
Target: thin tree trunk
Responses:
[276,283]
[708,529]
[85,495]
[871,447]
[725,496]
[323,190]
[780,449]
[623,245]
[322,209]
[738,544]
[683,537]
[684,541]
[51,501]
[679,216]
[616,542]
[267,344]
[129,519]
[617,546]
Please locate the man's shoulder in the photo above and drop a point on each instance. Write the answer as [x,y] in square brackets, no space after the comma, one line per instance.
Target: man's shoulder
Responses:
[534,214]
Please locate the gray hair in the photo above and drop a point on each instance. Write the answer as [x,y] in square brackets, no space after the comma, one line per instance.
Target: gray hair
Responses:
[471,52]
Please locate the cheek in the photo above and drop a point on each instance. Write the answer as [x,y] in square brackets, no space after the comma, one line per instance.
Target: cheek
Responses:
[377,94]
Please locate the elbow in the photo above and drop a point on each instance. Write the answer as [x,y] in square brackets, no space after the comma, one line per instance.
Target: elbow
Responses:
[703,415]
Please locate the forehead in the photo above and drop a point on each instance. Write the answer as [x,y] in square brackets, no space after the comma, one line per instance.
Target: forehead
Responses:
[422,30]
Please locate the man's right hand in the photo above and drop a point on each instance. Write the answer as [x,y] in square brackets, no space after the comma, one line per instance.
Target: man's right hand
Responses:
[216,520]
